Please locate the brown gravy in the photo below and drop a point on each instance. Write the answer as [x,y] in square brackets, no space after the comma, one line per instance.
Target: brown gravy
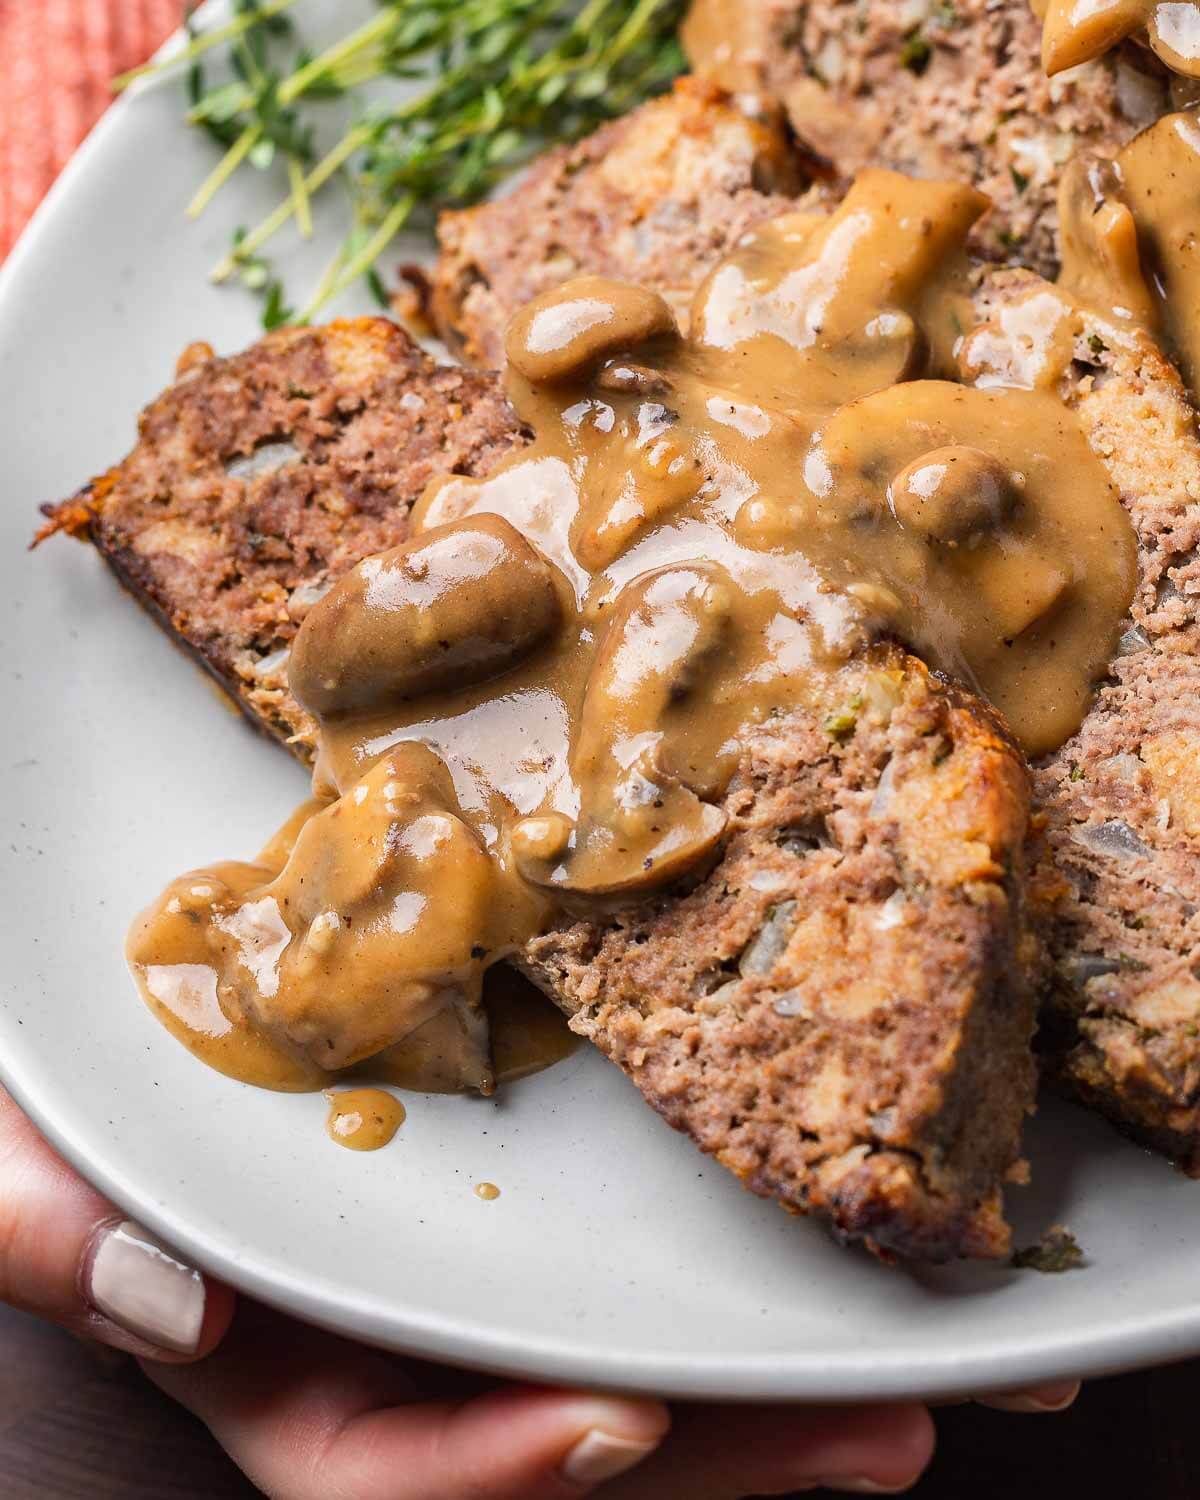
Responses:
[171,955]
[362,1119]
[1152,193]
[536,704]
[528,1034]
[726,42]
[1075,31]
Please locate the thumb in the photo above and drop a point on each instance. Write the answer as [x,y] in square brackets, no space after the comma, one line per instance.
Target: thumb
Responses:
[309,1416]
[66,1254]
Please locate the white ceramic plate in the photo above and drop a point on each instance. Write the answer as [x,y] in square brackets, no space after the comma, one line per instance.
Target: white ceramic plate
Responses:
[616,1255]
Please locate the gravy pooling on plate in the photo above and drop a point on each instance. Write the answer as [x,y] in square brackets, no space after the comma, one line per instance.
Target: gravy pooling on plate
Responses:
[536,703]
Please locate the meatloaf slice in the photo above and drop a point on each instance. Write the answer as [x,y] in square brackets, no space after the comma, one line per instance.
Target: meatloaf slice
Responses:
[655,197]
[935,88]
[257,480]
[1121,1027]
[839,1009]
[1116,886]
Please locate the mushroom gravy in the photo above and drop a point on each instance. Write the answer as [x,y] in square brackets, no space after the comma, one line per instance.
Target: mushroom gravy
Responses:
[537,702]
[1135,222]
[362,1119]
[1075,31]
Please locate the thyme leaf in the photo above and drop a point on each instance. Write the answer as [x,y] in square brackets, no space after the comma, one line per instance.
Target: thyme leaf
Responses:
[504,80]
[1058,1250]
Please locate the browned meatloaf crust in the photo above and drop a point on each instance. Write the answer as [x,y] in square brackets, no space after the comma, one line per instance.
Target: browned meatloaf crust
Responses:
[655,198]
[1117,882]
[947,90]
[229,559]
[839,1008]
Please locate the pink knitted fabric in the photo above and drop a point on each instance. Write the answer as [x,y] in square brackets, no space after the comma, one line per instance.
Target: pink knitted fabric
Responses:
[56,60]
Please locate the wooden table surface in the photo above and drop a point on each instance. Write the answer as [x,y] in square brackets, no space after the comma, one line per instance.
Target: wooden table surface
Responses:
[75,1425]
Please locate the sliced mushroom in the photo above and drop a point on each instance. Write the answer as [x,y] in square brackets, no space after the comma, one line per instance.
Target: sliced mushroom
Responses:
[1018,589]
[566,333]
[1100,253]
[952,493]
[1073,34]
[381,903]
[633,379]
[640,824]
[456,605]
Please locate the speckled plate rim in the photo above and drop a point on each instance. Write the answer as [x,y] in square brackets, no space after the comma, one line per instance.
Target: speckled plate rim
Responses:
[1131,1343]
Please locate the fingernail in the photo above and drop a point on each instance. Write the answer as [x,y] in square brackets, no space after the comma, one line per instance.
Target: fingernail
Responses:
[139,1284]
[1052,1398]
[598,1456]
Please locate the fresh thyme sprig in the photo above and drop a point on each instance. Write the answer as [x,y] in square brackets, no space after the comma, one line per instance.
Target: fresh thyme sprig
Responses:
[506,78]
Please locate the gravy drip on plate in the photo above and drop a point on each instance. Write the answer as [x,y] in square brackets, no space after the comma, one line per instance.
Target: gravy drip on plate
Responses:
[536,704]
[362,1119]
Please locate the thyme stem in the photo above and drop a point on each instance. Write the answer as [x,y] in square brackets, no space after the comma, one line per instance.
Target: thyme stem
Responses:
[504,79]
[224,170]
[275,221]
[198,46]
[364,259]
[300,197]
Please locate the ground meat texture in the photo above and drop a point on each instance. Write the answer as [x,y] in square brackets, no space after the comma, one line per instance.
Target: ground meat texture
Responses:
[1118,876]
[258,480]
[1116,885]
[947,89]
[653,198]
[838,1009]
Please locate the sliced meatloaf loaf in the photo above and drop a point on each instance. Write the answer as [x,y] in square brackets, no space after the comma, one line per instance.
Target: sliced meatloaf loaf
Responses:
[258,479]
[1122,1018]
[655,197]
[839,1009]
[1117,880]
[934,88]
[1122,1021]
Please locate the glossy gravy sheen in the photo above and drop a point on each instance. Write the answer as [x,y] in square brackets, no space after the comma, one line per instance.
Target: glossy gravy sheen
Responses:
[1140,215]
[1075,31]
[534,707]
[362,1119]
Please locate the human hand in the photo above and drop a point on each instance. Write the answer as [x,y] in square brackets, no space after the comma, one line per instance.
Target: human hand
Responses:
[311,1417]
[306,1414]
[68,1255]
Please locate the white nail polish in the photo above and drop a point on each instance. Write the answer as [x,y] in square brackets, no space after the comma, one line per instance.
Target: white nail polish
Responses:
[139,1284]
[1031,1402]
[598,1456]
